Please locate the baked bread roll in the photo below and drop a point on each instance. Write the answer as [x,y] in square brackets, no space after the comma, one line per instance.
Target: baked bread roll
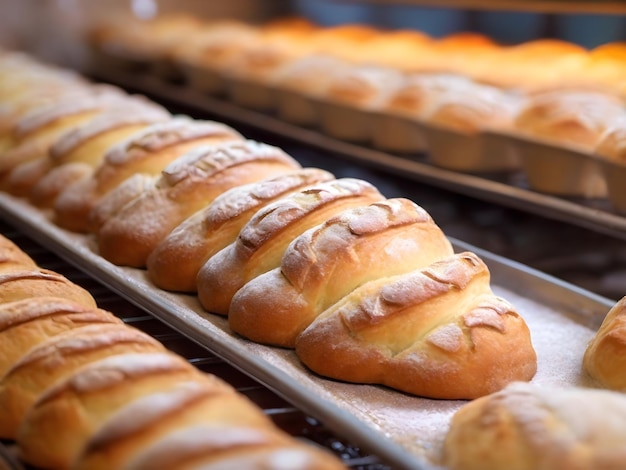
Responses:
[84,146]
[612,143]
[147,151]
[17,285]
[231,430]
[569,118]
[263,240]
[474,107]
[34,133]
[438,332]
[59,357]
[175,262]
[55,429]
[186,185]
[113,201]
[526,427]
[12,257]
[28,322]
[327,262]
[604,358]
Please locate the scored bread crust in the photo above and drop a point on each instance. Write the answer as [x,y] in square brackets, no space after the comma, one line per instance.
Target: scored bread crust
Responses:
[605,355]
[13,258]
[438,332]
[185,186]
[79,404]
[83,142]
[528,427]
[328,261]
[147,151]
[28,322]
[263,240]
[175,262]
[16,285]
[59,357]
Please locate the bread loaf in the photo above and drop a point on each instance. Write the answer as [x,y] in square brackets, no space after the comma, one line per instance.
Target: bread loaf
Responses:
[28,322]
[186,185]
[437,332]
[24,284]
[56,427]
[12,257]
[263,240]
[570,118]
[191,425]
[59,357]
[604,357]
[114,121]
[328,261]
[175,262]
[147,151]
[527,427]
[34,133]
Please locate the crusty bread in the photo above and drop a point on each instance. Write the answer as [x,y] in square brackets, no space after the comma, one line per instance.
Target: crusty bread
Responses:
[612,143]
[56,427]
[147,151]
[83,141]
[175,262]
[12,257]
[111,203]
[151,419]
[37,131]
[59,357]
[527,427]
[605,358]
[570,118]
[328,261]
[438,332]
[16,285]
[186,185]
[28,322]
[180,430]
[263,240]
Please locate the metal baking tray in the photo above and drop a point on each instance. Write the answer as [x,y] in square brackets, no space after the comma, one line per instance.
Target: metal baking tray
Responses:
[405,431]
[506,189]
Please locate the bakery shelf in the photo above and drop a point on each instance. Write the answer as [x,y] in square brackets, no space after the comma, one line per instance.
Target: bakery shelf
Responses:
[404,431]
[506,190]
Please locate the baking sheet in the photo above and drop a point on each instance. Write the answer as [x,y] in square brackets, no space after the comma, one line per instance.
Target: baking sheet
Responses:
[507,189]
[405,431]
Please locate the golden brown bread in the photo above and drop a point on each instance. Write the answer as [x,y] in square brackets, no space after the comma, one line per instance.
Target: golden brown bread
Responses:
[604,357]
[83,142]
[139,435]
[37,131]
[263,240]
[56,427]
[570,118]
[438,332]
[175,262]
[328,261]
[61,356]
[612,143]
[28,322]
[12,257]
[529,426]
[186,185]
[39,282]
[112,202]
[147,151]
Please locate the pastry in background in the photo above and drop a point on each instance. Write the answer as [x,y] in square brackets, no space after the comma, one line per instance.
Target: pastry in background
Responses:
[570,118]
